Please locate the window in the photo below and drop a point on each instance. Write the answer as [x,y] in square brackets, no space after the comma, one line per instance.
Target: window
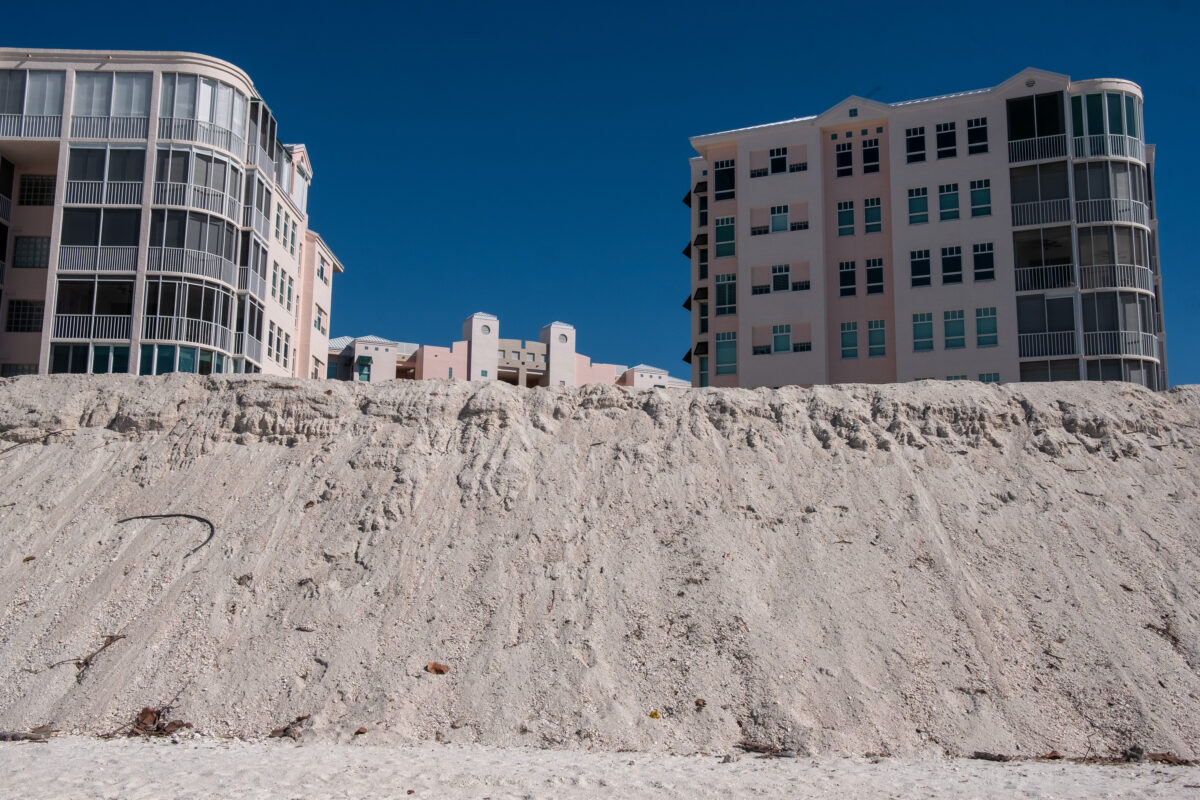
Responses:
[914,142]
[801,347]
[876,338]
[849,340]
[870,149]
[956,377]
[918,206]
[25,316]
[985,327]
[989,377]
[1036,116]
[874,276]
[290,286]
[725,242]
[845,218]
[779,218]
[781,280]
[947,140]
[778,160]
[985,262]
[948,201]
[981,198]
[723,181]
[952,265]
[922,332]
[279,221]
[726,353]
[36,190]
[919,266]
[31,252]
[704,370]
[977,136]
[844,153]
[702,212]
[703,320]
[872,215]
[14,370]
[953,326]
[726,294]
[319,321]
[846,278]
[271,341]
[781,338]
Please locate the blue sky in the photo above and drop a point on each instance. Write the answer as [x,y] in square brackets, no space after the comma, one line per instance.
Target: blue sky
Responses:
[529,159]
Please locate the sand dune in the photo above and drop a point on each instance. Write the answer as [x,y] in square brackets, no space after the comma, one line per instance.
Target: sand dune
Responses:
[912,570]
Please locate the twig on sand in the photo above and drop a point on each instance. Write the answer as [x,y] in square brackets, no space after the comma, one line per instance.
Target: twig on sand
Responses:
[84,662]
[212,529]
[31,441]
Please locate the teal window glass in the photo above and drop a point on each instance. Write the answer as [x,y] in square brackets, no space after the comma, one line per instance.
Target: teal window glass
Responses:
[779,218]
[724,234]
[781,338]
[1116,119]
[187,359]
[985,327]
[120,359]
[849,342]
[146,363]
[955,330]
[205,365]
[872,215]
[165,360]
[918,206]
[1131,128]
[726,353]
[100,356]
[845,218]
[1077,114]
[922,332]
[1095,114]
[726,286]
[981,198]
[989,377]
[876,338]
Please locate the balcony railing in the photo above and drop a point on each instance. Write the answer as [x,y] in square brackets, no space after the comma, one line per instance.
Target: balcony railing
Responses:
[5,207]
[253,218]
[196,130]
[1041,345]
[1041,212]
[109,127]
[1112,210]
[1049,276]
[92,258]
[183,329]
[248,346]
[1112,144]
[264,162]
[182,194]
[193,262]
[118,193]
[1038,148]
[1116,276]
[87,326]
[30,126]
[251,281]
[1120,343]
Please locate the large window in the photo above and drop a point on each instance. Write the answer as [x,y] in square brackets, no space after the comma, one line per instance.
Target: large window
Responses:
[726,286]
[726,353]
[845,218]
[779,219]
[952,271]
[109,227]
[985,327]
[872,215]
[845,159]
[922,332]
[25,316]
[914,143]
[1042,247]
[31,252]
[781,278]
[723,181]
[918,261]
[190,298]
[105,94]
[725,236]
[36,190]
[1037,313]
[977,136]
[849,339]
[870,151]
[985,261]
[847,280]
[918,206]
[954,327]
[192,230]
[947,140]
[1036,116]
[1039,183]
[191,97]
[948,201]
[874,276]
[981,198]
[876,338]
[781,338]
[31,92]
[778,157]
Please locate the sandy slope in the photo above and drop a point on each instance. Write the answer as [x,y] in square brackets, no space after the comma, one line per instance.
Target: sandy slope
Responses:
[913,569]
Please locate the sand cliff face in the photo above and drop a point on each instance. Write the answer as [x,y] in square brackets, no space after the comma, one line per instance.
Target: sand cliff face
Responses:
[898,569]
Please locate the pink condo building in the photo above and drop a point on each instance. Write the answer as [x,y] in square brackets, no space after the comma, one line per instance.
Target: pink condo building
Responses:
[1000,234]
[152,221]
[550,360]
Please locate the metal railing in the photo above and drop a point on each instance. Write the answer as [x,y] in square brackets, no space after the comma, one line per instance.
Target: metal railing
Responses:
[1041,345]
[30,126]
[1112,144]
[184,329]
[93,258]
[109,127]
[1041,212]
[201,131]
[1116,276]
[1038,148]
[5,207]
[88,326]
[251,281]
[201,197]
[248,346]
[264,162]
[1049,276]
[192,262]
[1112,210]
[1120,343]
[120,193]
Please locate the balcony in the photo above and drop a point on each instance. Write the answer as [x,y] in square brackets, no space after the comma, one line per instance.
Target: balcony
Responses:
[88,326]
[253,218]
[183,329]
[1049,276]
[250,281]
[246,345]
[1113,144]
[5,207]
[109,127]
[195,130]
[114,193]
[264,162]
[192,262]
[1041,212]
[1120,343]
[21,126]
[90,258]
[1112,210]
[1116,276]
[1038,148]
[1042,345]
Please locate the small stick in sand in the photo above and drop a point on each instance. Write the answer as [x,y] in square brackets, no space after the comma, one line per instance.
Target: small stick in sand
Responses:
[212,529]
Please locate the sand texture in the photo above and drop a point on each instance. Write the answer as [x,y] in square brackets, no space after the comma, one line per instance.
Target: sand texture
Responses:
[912,570]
